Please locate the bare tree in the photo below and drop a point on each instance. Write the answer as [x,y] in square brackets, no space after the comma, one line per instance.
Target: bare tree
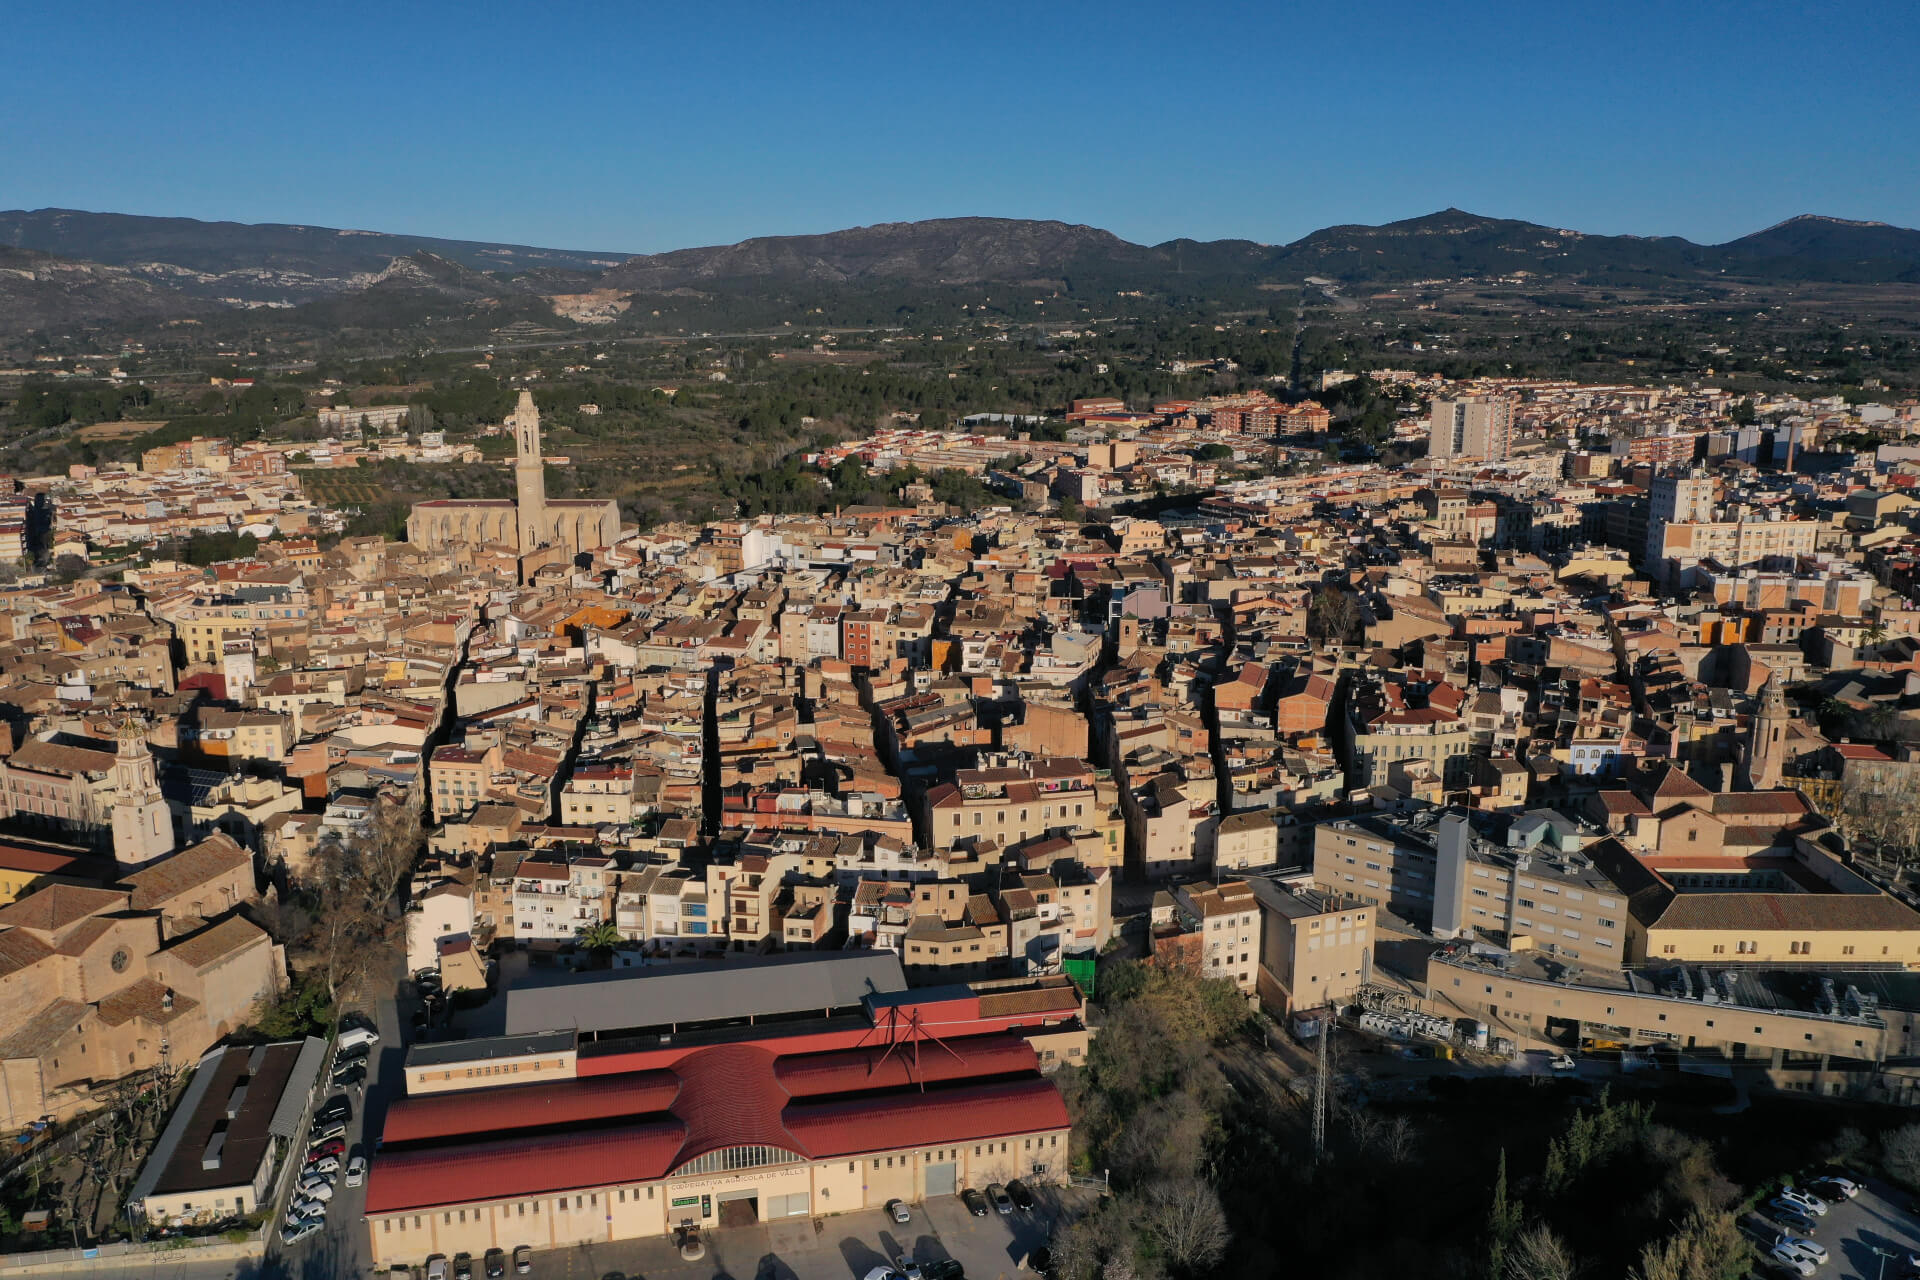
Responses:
[1397,1140]
[1538,1254]
[1880,806]
[1331,615]
[1900,1154]
[1183,1216]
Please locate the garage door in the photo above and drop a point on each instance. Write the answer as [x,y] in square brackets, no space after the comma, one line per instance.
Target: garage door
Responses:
[792,1206]
[943,1179]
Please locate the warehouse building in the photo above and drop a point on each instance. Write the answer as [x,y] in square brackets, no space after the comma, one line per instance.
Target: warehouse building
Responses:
[682,1098]
[242,1114]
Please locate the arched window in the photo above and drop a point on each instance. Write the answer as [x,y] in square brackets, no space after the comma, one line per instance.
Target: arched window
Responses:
[728,1159]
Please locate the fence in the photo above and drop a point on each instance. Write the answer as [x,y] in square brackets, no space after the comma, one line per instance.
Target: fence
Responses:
[211,1249]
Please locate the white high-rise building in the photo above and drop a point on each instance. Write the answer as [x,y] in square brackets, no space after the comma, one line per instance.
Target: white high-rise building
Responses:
[1479,428]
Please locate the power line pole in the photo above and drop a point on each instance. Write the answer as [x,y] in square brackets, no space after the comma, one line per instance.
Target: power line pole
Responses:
[1320,1088]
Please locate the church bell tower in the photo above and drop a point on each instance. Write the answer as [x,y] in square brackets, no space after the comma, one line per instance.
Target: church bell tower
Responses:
[142,825]
[529,474]
[1767,738]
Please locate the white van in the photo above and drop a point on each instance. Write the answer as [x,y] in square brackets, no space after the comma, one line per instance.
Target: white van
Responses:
[354,1037]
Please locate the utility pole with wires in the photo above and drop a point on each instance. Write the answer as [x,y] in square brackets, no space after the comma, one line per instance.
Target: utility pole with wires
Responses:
[1320,1089]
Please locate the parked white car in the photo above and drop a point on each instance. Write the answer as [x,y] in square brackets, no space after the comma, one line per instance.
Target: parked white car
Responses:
[1815,1253]
[356,1171]
[1811,1203]
[1784,1257]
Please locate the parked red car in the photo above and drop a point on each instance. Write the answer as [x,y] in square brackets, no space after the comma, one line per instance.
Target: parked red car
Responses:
[332,1147]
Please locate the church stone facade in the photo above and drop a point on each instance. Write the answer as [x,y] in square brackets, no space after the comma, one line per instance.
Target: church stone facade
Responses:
[530,526]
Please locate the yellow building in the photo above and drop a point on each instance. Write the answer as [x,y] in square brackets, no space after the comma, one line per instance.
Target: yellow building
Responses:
[24,868]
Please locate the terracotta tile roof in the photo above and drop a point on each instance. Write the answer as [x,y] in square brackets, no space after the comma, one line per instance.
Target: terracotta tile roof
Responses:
[84,935]
[1787,912]
[20,950]
[216,942]
[59,757]
[45,1028]
[58,905]
[188,869]
[145,999]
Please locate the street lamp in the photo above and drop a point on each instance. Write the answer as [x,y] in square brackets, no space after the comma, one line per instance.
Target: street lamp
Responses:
[1884,1255]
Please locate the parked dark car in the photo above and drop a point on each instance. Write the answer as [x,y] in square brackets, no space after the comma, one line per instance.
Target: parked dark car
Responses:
[336,1110]
[998,1194]
[496,1264]
[975,1202]
[1022,1198]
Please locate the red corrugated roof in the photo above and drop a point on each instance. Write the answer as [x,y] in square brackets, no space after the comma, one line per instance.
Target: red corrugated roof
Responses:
[520,1166]
[914,1119]
[821,1074]
[730,1098]
[723,1096]
[528,1106]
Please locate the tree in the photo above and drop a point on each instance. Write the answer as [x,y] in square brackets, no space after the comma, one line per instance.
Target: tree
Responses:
[1503,1222]
[1538,1254]
[601,939]
[1706,1247]
[1331,615]
[1183,1217]
[1900,1155]
[302,1009]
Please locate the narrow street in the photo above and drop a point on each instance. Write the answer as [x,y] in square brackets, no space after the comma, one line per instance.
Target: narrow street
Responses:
[341,1250]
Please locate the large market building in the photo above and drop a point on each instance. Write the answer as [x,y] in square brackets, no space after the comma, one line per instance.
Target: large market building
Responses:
[649,1100]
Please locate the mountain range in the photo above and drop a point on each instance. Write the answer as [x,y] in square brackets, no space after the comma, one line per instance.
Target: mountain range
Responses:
[62,267]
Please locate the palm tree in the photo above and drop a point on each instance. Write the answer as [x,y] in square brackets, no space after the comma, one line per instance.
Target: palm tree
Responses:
[601,939]
[1882,719]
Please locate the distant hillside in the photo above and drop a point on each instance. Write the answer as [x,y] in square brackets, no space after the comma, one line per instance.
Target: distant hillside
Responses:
[940,251]
[41,292]
[265,262]
[1811,247]
[1454,243]
[117,268]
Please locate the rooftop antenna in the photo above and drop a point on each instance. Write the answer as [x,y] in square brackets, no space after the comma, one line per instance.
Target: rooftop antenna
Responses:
[916,1033]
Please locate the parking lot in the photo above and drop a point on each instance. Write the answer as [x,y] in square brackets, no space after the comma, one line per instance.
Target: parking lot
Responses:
[1852,1229]
[842,1247]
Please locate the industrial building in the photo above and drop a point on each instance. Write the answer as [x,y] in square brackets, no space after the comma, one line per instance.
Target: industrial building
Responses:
[800,1085]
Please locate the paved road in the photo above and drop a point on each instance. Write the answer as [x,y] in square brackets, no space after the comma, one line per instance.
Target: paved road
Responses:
[341,1250]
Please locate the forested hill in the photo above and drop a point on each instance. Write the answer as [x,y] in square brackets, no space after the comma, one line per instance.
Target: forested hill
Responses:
[103,270]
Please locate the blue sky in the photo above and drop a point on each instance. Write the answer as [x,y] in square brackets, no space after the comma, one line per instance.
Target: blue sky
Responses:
[639,127]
